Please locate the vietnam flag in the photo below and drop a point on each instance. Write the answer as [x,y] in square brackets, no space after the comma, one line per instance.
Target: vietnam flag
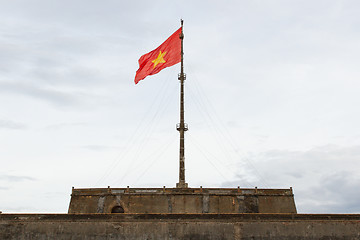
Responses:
[166,55]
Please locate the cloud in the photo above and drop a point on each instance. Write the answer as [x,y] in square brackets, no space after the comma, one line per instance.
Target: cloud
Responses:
[96,147]
[13,178]
[336,193]
[12,125]
[325,178]
[65,125]
[52,96]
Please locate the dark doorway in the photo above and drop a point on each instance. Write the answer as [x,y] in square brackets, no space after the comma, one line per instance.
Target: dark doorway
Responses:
[117,209]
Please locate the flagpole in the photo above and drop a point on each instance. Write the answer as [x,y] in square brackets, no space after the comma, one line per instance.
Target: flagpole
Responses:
[182,126]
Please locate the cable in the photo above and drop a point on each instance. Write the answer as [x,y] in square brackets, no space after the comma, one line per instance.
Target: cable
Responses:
[156,158]
[199,100]
[133,138]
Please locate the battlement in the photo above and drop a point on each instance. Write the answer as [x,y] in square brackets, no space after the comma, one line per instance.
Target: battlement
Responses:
[164,190]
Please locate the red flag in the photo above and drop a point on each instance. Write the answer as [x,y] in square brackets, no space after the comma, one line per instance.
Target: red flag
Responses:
[166,55]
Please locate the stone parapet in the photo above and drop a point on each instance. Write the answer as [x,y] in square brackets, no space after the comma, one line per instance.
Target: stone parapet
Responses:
[179,226]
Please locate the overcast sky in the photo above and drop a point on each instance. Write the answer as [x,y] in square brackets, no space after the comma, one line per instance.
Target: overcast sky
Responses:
[272,99]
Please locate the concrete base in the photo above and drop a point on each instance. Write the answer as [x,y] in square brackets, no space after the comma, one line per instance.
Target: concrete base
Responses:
[179,226]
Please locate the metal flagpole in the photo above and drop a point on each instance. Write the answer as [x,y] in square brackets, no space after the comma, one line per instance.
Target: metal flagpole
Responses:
[182,126]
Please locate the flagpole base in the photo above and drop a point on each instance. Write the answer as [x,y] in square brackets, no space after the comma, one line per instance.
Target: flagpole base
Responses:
[181,185]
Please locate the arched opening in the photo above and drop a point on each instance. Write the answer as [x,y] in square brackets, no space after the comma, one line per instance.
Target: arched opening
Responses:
[117,209]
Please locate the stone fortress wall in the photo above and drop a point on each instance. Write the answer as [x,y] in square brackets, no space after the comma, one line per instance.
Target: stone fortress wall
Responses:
[182,200]
[180,214]
[243,226]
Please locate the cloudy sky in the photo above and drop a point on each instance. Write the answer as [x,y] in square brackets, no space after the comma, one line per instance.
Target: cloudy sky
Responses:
[272,99]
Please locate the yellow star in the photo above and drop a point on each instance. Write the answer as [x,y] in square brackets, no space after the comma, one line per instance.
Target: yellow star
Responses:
[159,59]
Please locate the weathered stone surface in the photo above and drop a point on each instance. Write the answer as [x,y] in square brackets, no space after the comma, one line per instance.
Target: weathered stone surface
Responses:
[189,200]
[179,226]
